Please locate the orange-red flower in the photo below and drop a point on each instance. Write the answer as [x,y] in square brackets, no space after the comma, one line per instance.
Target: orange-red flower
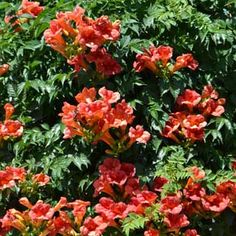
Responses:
[6,180]
[13,219]
[185,60]
[41,179]
[79,210]
[94,226]
[157,60]
[16,173]
[175,222]
[194,192]
[41,211]
[26,7]
[189,98]
[228,189]
[4,69]
[210,104]
[138,135]
[191,232]
[193,127]
[142,200]
[163,54]
[97,119]
[111,210]
[146,61]
[215,203]
[80,39]
[152,232]
[104,62]
[31,8]
[171,205]
[10,128]
[186,122]
[53,37]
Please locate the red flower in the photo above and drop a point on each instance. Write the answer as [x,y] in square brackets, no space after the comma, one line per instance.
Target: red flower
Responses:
[104,62]
[212,107]
[193,127]
[103,185]
[198,174]
[123,114]
[108,165]
[171,128]
[108,95]
[145,61]
[116,177]
[4,69]
[79,210]
[216,202]
[94,119]
[129,169]
[41,179]
[87,95]
[11,128]
[9,110]
[93,226]
[41,211]
[143,200]
[158,183]
[171,205]
[78,62]
[209,92]
[16,173]
[228,189]
[68,118]
[163,54]
[174,222]
[6,180]
[210,104]
[191,232]
[54,37]
[138,135]
[108,30]
[89,37]
[59,225]
[13,218]
[152,232]
[132,186]
[185,60]
[194,192]
[189,98]
[31,8]
[110,210]
[151,57]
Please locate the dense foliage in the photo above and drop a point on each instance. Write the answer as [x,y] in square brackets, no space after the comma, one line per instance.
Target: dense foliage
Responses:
[145,94]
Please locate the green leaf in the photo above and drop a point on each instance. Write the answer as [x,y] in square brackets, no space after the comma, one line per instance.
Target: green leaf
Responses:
[133,222]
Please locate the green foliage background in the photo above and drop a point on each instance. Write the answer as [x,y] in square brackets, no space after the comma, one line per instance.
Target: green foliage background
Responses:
[39,81]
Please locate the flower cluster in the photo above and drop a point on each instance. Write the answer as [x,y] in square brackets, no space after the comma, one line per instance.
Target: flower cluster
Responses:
[10,128]
[103,119]
[13,176]
[156,59]
[4,69]
[122,195]
[173,211]
[193,110]
[31,8]
[43,219]
[122,175]
[80,39]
